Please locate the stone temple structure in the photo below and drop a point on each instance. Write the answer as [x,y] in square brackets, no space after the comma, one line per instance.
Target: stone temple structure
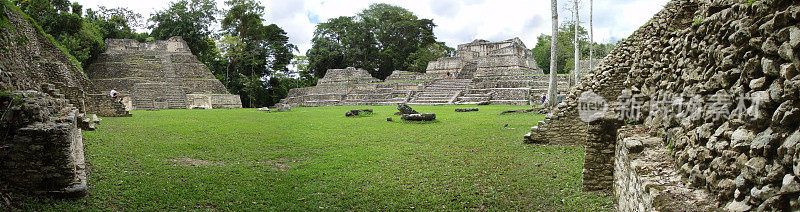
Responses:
[481,72]
[158,75]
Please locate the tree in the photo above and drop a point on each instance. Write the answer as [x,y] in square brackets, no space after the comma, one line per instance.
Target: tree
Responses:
[565,55]
[380,39]
[591,35]
[418,61]
[117,22]
[553,87]
[81,37]
[301,64]
[254,51]
[577,43]
[191,20]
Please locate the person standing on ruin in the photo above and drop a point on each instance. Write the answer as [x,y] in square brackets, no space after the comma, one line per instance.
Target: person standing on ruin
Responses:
[114,94]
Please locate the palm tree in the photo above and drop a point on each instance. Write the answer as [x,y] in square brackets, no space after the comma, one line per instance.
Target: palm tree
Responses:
[591,35]
[577,68]
[553,87]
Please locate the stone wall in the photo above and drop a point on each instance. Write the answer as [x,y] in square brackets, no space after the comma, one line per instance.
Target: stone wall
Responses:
[646,180]
[438,69]
[155,75]
[42,148]
[482,58]
[403,76]
[44,99]
[338,87]
[103,105]
[726,72]
[26,50]
[213,101]
[346,76]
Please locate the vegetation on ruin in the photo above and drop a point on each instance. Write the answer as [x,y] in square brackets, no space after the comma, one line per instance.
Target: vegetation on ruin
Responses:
[318,159]
[192,21]
[80,36]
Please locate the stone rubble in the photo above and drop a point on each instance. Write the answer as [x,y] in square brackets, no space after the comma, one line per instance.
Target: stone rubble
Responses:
[466,109]
[419,117]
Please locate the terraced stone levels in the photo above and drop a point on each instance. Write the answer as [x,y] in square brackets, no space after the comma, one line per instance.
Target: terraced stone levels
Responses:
[482,72]
[158,75]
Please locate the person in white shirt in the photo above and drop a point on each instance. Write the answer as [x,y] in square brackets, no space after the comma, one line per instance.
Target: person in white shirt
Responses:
[114,93]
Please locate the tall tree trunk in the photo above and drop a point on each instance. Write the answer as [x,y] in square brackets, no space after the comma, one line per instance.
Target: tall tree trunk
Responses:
[591,35]
[577,66]
[552,89]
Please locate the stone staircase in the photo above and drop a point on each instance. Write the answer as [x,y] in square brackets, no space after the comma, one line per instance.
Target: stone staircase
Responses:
[468,72]
[441,92]
[149,96]
[83,121]
[176,99]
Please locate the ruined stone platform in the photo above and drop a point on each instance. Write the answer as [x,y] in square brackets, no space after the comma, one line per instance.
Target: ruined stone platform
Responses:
[158,75]
[502,73]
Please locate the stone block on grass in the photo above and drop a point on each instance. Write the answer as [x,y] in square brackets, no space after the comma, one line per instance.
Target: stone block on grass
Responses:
[419,117]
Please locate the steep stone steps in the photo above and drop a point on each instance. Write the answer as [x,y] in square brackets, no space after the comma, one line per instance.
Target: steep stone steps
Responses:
[444,91]
[468,71]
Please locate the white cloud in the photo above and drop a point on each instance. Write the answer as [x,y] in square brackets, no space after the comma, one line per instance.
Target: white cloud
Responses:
[458,21]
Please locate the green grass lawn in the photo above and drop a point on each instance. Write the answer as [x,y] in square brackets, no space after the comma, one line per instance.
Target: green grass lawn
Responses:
[318,159]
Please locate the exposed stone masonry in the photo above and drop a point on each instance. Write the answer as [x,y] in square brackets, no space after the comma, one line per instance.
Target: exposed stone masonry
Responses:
[717,50]
[158,75]
[646,180]
[42,148]
[44,101]
[481,72]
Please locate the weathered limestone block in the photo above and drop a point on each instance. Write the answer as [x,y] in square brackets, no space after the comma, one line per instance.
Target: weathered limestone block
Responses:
[598,171]
[284,107]
[405,109]
[352,113]
[645,178]
[419,117]
[43,148]
[466,109]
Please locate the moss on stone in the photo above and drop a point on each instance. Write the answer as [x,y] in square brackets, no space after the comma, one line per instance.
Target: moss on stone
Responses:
[15,9]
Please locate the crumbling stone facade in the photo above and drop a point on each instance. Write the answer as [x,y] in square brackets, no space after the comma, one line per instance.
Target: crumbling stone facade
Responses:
[158,75]
[646,180]
[43,147]
[43,107]
[481,72]
[351,86]
[739,54]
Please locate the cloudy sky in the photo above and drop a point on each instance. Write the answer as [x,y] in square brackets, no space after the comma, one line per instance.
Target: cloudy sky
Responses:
[459,21]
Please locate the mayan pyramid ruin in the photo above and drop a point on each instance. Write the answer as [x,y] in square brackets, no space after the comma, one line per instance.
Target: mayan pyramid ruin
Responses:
[481,72]
[158,75]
